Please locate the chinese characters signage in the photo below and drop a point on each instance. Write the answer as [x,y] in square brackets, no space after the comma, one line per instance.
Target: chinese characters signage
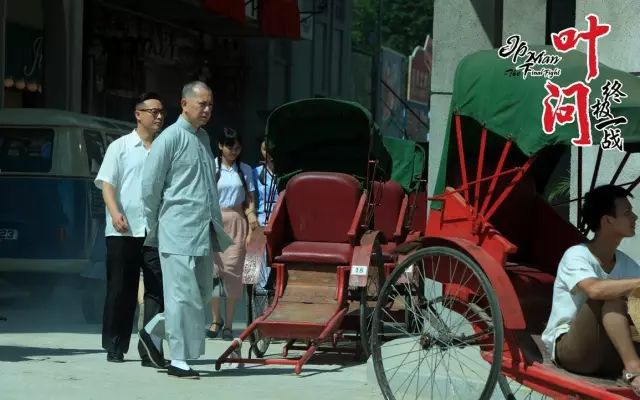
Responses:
[571,103]
[608,123]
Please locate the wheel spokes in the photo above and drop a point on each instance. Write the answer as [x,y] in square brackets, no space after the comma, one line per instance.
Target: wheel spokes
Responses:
[448,328]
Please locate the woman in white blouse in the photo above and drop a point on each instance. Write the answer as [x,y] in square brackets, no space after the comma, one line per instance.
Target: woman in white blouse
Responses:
[236,195]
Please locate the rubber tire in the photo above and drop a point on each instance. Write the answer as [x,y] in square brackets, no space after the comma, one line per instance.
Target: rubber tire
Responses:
[258,347]
[364,310]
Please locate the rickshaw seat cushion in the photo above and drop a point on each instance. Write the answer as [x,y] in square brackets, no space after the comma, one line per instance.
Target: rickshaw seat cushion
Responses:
[321,206]
[388,197]
[317,253]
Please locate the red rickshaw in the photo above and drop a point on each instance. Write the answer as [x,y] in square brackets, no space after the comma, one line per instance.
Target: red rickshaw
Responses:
[479,283]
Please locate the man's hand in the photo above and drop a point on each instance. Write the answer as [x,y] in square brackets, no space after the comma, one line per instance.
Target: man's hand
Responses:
[120,223]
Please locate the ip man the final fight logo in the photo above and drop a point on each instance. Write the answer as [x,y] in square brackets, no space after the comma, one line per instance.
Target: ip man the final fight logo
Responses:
[557,110]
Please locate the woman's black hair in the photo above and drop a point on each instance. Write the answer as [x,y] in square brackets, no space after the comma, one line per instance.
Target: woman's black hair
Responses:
[262,176]
[228,139]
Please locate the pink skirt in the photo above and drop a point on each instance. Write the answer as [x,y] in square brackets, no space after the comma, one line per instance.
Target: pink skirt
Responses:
[229,264]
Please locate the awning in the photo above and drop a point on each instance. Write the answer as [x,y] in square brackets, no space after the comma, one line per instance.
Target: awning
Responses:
[280,18]
[234,9]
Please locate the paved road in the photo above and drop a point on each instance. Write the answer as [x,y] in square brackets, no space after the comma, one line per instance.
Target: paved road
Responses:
[48,352]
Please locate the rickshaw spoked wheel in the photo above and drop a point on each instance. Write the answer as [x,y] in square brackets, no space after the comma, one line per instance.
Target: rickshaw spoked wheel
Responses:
[368,297]
[259,300]
[452,326]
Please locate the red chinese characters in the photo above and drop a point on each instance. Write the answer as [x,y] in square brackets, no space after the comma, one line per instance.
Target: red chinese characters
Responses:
[568,39]
[561,114]
[555,111]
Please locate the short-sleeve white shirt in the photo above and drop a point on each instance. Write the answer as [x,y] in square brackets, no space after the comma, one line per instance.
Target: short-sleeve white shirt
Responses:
[122,169]
[231,194]
[576,265]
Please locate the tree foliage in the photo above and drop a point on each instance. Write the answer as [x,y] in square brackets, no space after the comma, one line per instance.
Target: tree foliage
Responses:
[405,24]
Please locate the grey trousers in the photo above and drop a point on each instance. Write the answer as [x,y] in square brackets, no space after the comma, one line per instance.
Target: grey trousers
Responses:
[187,292]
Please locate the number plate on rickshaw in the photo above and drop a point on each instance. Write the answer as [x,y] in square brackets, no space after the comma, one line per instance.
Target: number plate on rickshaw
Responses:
[358,276]
[8,234]
[360,270]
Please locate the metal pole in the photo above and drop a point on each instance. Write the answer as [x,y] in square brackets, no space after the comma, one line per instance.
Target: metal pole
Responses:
[404,103]
[3,47]
[377,68]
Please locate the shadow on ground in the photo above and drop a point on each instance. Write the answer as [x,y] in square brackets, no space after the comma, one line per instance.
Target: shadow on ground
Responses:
[21,353]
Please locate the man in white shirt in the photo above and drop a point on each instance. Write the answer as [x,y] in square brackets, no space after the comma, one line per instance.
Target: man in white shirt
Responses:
[120,178]
[589,331]
[182,212]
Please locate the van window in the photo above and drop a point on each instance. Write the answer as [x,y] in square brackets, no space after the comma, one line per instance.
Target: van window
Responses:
[25,149]
[95,149]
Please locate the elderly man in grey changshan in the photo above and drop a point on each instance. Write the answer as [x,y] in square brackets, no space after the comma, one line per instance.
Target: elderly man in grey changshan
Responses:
[184,221]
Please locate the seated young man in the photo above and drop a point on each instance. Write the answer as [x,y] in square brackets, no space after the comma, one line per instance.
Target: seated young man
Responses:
[589,331]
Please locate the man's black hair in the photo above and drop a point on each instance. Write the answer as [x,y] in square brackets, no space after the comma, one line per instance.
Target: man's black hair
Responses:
[601,201]
[146,96]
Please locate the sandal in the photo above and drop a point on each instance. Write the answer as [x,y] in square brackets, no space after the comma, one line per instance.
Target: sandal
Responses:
[227,334]
[628,378]
[211,334]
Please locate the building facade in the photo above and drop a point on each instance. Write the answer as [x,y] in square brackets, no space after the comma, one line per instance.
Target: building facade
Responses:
[33,31]
[283,70]
[96,56]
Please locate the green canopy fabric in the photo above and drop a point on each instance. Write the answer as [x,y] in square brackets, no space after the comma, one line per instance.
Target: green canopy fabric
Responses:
[509,106]
[322,134]
[408,161]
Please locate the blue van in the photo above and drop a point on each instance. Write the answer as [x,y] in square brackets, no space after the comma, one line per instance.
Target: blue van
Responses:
[52,216]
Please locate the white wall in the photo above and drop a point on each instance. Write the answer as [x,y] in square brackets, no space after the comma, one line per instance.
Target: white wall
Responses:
[460,27]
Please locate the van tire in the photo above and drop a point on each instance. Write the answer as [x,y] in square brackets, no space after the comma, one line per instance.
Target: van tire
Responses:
[92,300]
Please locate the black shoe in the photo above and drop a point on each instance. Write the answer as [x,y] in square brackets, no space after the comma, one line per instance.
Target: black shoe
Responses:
[214,334]
[115,356]
[146,362]
[183,373]
[152,351]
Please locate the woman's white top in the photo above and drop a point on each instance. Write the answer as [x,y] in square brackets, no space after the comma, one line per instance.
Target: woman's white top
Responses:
[230,191]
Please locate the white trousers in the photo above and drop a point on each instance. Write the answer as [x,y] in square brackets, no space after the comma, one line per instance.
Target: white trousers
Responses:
[186,281]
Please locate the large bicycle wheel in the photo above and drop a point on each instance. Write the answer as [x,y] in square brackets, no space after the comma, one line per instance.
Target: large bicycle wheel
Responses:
[368,297]
[444,346]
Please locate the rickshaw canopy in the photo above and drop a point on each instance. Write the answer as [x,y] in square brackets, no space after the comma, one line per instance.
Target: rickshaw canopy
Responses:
[510,106]
[408,161]
[489,89]
[322,134]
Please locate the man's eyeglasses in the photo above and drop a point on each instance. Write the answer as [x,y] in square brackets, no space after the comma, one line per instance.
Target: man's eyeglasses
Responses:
[153,111]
